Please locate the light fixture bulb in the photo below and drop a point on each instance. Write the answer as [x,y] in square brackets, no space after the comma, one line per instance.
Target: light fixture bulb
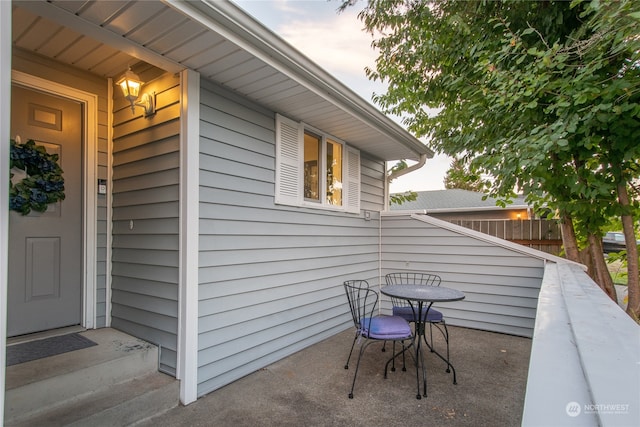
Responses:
[130,84]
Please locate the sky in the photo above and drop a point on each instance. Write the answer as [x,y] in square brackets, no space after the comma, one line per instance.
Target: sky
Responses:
[338,44]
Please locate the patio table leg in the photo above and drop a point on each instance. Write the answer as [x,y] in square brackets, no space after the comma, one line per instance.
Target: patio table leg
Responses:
[420,330]
[450,367]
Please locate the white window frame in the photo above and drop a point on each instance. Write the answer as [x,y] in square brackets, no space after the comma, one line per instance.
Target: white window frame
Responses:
[289,185]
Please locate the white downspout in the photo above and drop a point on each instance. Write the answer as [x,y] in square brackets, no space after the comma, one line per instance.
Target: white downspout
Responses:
[399,173]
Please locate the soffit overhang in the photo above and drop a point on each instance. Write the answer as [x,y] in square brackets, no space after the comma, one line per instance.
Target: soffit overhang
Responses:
[223,44]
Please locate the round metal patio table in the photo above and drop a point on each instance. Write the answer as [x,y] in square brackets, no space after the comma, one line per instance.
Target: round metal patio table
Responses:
[418,296]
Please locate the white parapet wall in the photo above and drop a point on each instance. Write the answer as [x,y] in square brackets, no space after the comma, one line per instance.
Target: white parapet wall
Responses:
[585,357]
[500,279]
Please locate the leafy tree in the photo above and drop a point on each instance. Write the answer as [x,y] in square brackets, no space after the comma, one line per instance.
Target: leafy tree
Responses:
[543,96]
[400,198]
[460,176]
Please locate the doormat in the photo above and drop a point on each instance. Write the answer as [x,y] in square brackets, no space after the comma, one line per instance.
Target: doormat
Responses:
[38,349]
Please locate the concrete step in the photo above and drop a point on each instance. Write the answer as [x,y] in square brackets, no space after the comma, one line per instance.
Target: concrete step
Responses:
[121,404]
[114,383]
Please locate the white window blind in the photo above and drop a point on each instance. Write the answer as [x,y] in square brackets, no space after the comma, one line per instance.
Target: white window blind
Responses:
[288,161]
[353,180]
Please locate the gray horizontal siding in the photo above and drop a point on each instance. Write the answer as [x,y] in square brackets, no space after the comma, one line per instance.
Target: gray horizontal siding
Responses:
[501,285]
[371,183]
[145,257]
[102,228]
[101,258]
[270,276]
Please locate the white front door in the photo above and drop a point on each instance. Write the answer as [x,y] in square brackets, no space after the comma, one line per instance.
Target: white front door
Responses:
[45,249]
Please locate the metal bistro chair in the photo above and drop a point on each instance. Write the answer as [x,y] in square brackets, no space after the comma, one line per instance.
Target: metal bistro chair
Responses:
[371,328]
[403,309]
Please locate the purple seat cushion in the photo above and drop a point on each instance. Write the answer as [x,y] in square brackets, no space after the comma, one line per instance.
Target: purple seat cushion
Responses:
[407,314]
[386,327]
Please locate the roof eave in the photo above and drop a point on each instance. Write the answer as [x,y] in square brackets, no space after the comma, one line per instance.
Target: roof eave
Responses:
[477,209]
[240,28]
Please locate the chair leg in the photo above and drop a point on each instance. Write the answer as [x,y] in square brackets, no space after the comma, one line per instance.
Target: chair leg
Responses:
[355,374]
[393,363]
[404,362]
[445,333]
[446,339]
[346,366]
[393,360]
[431,337]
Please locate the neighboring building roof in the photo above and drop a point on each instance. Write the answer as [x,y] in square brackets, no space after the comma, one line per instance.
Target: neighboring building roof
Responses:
[455,200]
[222,43]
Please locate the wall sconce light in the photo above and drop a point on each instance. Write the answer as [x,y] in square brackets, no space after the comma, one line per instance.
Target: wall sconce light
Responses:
[130,84]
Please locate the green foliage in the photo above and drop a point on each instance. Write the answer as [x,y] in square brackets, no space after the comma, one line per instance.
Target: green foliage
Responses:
[407,196]
[400,165]
[400,198]
[618,265]
[542,96]
[43,183]
[460,176]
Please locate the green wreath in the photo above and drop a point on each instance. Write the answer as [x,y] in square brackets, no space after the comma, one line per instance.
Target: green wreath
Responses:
[43,184]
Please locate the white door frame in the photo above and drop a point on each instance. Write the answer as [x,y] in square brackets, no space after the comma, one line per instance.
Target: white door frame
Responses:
[5,125]
[89,170]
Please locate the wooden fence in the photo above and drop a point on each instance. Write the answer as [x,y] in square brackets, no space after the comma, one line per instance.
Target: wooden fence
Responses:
[542,234]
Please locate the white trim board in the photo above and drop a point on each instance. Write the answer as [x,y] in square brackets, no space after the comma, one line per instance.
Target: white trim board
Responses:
[5,126]
[187,363]
[424,217]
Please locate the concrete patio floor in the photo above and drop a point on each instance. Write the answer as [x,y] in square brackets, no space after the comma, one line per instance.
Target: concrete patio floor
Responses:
[310,388]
